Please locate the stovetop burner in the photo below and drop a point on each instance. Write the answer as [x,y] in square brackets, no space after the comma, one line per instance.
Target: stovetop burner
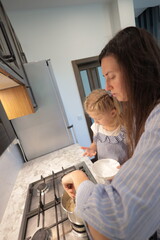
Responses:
[42,188]
[44,218]
[41,234]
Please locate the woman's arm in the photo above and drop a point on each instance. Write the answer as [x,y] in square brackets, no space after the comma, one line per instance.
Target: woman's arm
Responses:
[96,235]
[71,183]
[128,208]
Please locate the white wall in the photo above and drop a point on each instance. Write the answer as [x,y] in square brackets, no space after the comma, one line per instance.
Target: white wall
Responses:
[115,17]
[62,35]
[126,13]
[121,14]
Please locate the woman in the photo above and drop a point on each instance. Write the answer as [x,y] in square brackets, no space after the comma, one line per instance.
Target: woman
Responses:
[129,207]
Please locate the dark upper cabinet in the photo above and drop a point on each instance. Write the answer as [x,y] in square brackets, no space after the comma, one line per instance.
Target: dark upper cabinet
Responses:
[4,139]
[7,134]
[14,83]
[12,56]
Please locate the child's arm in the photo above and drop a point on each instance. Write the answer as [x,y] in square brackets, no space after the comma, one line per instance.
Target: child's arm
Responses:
[90,151]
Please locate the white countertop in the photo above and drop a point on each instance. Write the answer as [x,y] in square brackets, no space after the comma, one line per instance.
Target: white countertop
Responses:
[32,171]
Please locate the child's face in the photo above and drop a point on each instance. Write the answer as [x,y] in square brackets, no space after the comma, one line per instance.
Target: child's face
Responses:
[104,119]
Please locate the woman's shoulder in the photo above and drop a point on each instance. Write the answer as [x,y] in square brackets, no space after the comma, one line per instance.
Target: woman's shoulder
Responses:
[154,116]
[156,109]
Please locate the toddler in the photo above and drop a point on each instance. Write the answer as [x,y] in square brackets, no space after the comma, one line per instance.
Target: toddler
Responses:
[109,136]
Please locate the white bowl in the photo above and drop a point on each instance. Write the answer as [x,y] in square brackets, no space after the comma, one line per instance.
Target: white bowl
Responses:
[106,168]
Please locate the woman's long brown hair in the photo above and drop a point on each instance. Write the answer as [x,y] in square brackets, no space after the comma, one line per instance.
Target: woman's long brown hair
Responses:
[139,57]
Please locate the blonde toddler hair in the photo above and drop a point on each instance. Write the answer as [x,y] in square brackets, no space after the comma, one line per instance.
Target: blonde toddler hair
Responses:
[101,101]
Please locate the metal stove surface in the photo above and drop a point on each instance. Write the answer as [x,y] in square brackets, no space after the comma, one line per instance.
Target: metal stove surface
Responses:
[44,218]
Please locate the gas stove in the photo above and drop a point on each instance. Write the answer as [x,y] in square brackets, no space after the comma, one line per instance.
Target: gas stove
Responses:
[44,217]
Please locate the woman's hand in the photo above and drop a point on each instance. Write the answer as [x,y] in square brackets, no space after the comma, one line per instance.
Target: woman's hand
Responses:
[72,181]
[68,185]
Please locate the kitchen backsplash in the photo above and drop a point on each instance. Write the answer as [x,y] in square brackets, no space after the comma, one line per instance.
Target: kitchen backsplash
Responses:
[11,161]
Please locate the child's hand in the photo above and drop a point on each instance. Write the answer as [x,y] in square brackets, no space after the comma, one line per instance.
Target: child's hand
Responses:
[89,152]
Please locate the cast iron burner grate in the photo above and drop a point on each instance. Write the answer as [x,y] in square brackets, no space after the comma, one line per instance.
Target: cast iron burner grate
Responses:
[44,218]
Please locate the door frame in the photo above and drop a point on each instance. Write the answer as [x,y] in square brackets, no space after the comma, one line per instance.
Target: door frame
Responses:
[90,64]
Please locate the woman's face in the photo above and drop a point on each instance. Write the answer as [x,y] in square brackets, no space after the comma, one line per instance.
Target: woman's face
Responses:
[114,78]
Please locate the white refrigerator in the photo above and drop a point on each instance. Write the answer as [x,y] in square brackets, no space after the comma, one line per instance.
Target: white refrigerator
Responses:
[47,129]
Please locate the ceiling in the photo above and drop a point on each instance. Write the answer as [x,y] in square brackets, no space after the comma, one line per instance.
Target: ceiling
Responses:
[10,5]
[38,4]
